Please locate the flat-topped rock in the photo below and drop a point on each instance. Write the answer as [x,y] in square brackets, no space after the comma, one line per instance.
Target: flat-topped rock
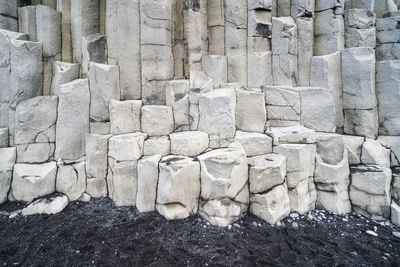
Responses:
[126,147]
[297,134]
[189,143]
[50,205]
[157,120]
[254,143]
[157,145]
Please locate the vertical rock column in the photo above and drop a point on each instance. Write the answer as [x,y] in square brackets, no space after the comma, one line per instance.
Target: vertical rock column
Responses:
[156,49]
[216,27]
[27,21]
[303,13]
[196,34]
[64,6]
[123,43]
[5,69]
[236,40]
[328,27]
[388,94]
[284,51]
[387,39]
[178,45]
[25,76]
[259,61]
[359,99]
[48,23]
[360,28]
[84,21]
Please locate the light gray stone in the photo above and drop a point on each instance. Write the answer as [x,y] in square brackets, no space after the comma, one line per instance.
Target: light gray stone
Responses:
[388,94]
[188,143]
[284,51]
[97,187]
[48,23]
[328,31]
[326,72]
[122,182]
[94,49]
[123,44]
[354,147]
[254,144]
[27,21]
[104,86]
[217,116]
[265,172]
[31,181]
[5,182]
[178,188]
[305,41]
[224,185]
[251,114]
[392,143]
[9,17]
[271,206]
[71,180]
[96,156]
[51,205]
[283,104]
[73,120]
[375,154]
[370,191]
[157,120]
[157,145]
[84,21]
[395,213]
[63,73]
[297,134]
[361,122]
[302,8]
[215,66]
[148,173]
[3,137]
[125,116]
[177,96]
[126,147]
[64,6]
[35,152]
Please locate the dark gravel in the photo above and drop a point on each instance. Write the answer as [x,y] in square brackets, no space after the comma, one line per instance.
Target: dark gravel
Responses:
[98,233]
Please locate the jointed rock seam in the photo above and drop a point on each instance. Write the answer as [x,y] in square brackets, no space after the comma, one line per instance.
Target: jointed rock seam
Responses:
[216,108]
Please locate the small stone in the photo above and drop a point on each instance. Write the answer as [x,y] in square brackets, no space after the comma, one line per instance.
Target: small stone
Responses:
[396,234]
[279,224]
[236,225]
[254,224]
[295,225]
[371,233]
[14,215]
[294,215]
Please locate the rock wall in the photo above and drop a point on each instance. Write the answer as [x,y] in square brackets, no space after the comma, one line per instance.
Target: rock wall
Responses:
[216,108]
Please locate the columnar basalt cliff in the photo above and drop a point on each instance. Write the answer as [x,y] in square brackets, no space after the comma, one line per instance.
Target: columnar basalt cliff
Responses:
[216,108]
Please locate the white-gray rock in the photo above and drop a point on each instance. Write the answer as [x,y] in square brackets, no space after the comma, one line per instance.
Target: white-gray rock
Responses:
[177,96]
[217,116]
[157,145]
[31,181]
[157,120]
[265,172]
[71,180]
[375,154]
[189,144]
[215,66]
[283,104]
[388,94]
[94,49]
[73,120]
[354,147]
[254,144]
[284,51]
[96,156]
[305,42]
[224,185]
[395,214]
[126,147]
[125,116]
[392,143]
[178,187]
[35,152]
[271,206]
[3,137]
[122,182]
[370,191]
[35,120]
[104,86]
[27,21]
[251,114]
[148,173]
[328,30]
[361,122]
[7,161]
[48,23]
[297,134]
[63,72]
[303,197]
[51,205]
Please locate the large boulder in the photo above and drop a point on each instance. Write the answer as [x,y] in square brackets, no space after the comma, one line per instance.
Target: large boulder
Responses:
[370,191]
[224,185]
[178,187]
[31,181]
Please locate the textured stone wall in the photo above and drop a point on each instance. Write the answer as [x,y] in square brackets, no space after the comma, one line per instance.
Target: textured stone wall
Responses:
[209,107]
